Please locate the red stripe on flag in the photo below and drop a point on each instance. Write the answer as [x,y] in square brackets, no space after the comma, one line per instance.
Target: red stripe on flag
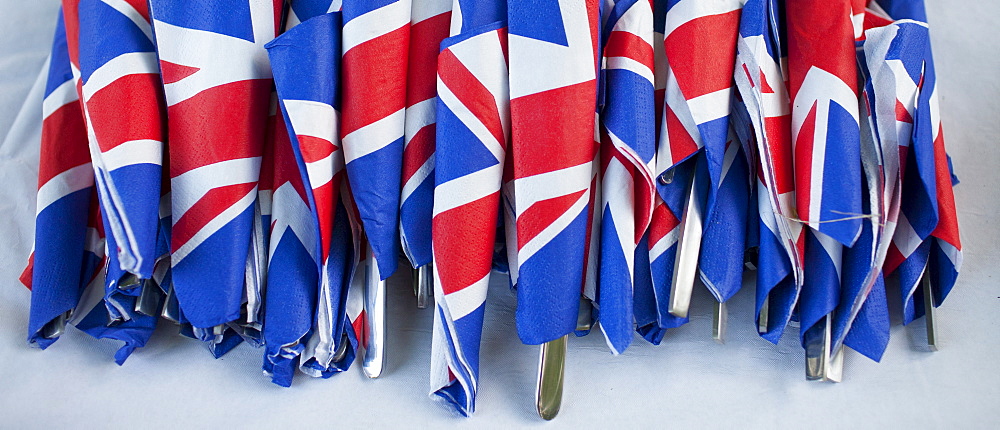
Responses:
[210,206]
[902,114]
[64,142]
[172,72]
[625,44]
[315,148]
[463,250]
[425,42]
[682,145]
[416,153]
[554,129]
[374,80]
[471,92]
[702,53]
[662,224]
[542,214]
[947,228]
[803,157]
[222,123]
[779,147]
[139,95]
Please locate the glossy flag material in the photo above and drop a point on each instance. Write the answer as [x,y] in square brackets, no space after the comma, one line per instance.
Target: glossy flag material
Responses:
[762,83]
[927,237]
[430,21]
[473,128]
[826,137]
[553,151]
[217,106]
[628,152]
[374,46]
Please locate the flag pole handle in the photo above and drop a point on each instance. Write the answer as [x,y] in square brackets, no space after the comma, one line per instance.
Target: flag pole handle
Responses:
[374,360]
[551,368]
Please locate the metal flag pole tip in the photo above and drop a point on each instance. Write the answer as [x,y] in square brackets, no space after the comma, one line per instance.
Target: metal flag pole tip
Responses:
[719,322]
[688,248]
[423,283]
[551,368]
[929,312]
[374,360]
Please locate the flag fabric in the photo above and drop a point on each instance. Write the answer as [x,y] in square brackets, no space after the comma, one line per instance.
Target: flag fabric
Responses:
[862,319]
[658,261]
[473,128]
[66,270]
[826,139]
[306,73]
[553,151]
[430,22]
[700,46]
[654,261]
[766,113]
[119,73]
[55,272]
[217,107]
[628,150]
[569,134]
[926,237]
[374,46]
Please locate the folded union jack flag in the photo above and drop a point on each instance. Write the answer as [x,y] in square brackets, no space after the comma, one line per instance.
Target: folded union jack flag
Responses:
[627,157]
[56,271]
[926,237]
[553,151]
[429,24]
[826,137]
[67,268]
[118,64]
[762,84]
[473,128]
[306,73]
[217,106]
[375,45]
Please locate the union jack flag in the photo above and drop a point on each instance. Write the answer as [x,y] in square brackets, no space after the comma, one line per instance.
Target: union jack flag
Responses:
[306,73]
[55,272]
[628,152]
[926,237]
[553,154]
[66,269]
[826,137]
[762,83]
[700,46]
[660,255]
[655,254]
[862,319]
[217,106]
[473,128]
[117,63]
[429,25]
[374,46]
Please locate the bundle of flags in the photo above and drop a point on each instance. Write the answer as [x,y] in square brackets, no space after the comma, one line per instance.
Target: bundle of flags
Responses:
[249,169]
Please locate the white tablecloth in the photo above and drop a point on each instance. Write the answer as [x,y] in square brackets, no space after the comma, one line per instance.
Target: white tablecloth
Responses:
[688,381]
